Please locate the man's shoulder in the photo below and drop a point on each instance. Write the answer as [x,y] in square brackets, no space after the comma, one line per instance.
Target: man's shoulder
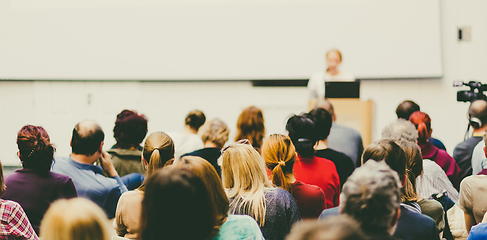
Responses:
[467,144]
[338,128]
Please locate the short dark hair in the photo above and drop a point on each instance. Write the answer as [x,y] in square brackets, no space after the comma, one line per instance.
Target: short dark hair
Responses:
[302,132]
[195,119]
[388,151]
[87,144]
[323,121]
[175,194]
[130,128]
[406,108]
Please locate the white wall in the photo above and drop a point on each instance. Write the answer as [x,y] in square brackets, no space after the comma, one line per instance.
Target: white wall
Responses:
[58,106]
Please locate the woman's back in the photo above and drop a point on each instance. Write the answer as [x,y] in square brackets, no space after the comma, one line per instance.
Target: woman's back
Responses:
[281,213]
[36,191]
[309,198]
[322,173]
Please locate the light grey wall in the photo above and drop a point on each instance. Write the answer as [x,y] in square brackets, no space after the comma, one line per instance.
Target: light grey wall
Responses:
[58,106]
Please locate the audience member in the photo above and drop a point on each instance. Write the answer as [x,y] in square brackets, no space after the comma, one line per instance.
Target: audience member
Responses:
[176,205]
[227,225]
[86,149]
[404,111]
[400,130]
[341,138]
[214,135]
[422,122]
[411,224]
[309,168]
[332,228]
[414,168]
[250,125]
[477,118]
[75,219]
[280,155]
[472,199]
[431,181]
[343,163]
[14,223]
[158,152]
[251,193]
[129,131]
[479,157]
[188,140]
[34,186]
[372,197]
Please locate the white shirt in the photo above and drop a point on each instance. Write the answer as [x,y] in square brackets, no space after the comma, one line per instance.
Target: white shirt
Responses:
[316,84]
[434,180]
[479,161]
[185,143]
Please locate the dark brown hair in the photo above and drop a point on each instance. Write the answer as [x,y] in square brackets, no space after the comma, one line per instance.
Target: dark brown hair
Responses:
[250,125]
[388,151]
[176,205]
[195,119]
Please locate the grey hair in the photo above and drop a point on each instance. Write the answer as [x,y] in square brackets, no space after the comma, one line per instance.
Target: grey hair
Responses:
[339,227]
[400,130]
[371,196]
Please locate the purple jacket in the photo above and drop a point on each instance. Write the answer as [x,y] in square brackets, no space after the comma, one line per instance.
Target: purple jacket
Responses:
[442,158]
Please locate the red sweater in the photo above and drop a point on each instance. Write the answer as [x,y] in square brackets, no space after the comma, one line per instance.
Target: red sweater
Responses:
[322,173]
[310,199]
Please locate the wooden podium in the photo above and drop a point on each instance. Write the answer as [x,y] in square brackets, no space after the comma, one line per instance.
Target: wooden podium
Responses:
[354,113]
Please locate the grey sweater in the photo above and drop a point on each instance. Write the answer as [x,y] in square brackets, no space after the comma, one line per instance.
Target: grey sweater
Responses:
[281,213]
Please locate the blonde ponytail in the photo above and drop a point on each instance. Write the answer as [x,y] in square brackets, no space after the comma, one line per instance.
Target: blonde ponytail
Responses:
[279,155]
[158,152]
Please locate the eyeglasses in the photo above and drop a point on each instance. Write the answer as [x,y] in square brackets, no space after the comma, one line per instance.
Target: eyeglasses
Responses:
[241,141]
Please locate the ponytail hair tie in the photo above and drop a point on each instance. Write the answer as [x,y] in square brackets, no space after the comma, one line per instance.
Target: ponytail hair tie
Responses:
[282,163]
[303,140]
[155,149]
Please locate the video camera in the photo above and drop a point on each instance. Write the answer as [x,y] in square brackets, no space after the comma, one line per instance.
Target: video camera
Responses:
[476,91]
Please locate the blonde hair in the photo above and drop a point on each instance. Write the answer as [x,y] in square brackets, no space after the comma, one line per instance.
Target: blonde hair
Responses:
[414,168]
[206,172]
[215,131]
[244,176]
[334,50]
[75,219]
[279,155]
[158,152]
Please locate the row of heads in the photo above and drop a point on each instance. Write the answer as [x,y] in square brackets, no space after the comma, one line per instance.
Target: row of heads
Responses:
[477,112]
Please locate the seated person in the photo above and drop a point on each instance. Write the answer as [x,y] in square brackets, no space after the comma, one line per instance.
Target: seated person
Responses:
[343,163]
[250,125]
[422,122]
[309,168]
[404,111]
[129,131]
[75,219]
[34,186]
[158,152]
[188,140]
[214,135]
[332,228]
[279,155]
[342,138]
[477,118]
[15,224]
[86,149]
[372,197]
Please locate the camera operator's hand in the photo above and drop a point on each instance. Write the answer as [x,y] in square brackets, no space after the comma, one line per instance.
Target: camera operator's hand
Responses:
[107,165]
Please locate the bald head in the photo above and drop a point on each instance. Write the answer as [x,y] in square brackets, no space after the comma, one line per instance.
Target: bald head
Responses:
[326,104]
[87,138]
[478,109]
